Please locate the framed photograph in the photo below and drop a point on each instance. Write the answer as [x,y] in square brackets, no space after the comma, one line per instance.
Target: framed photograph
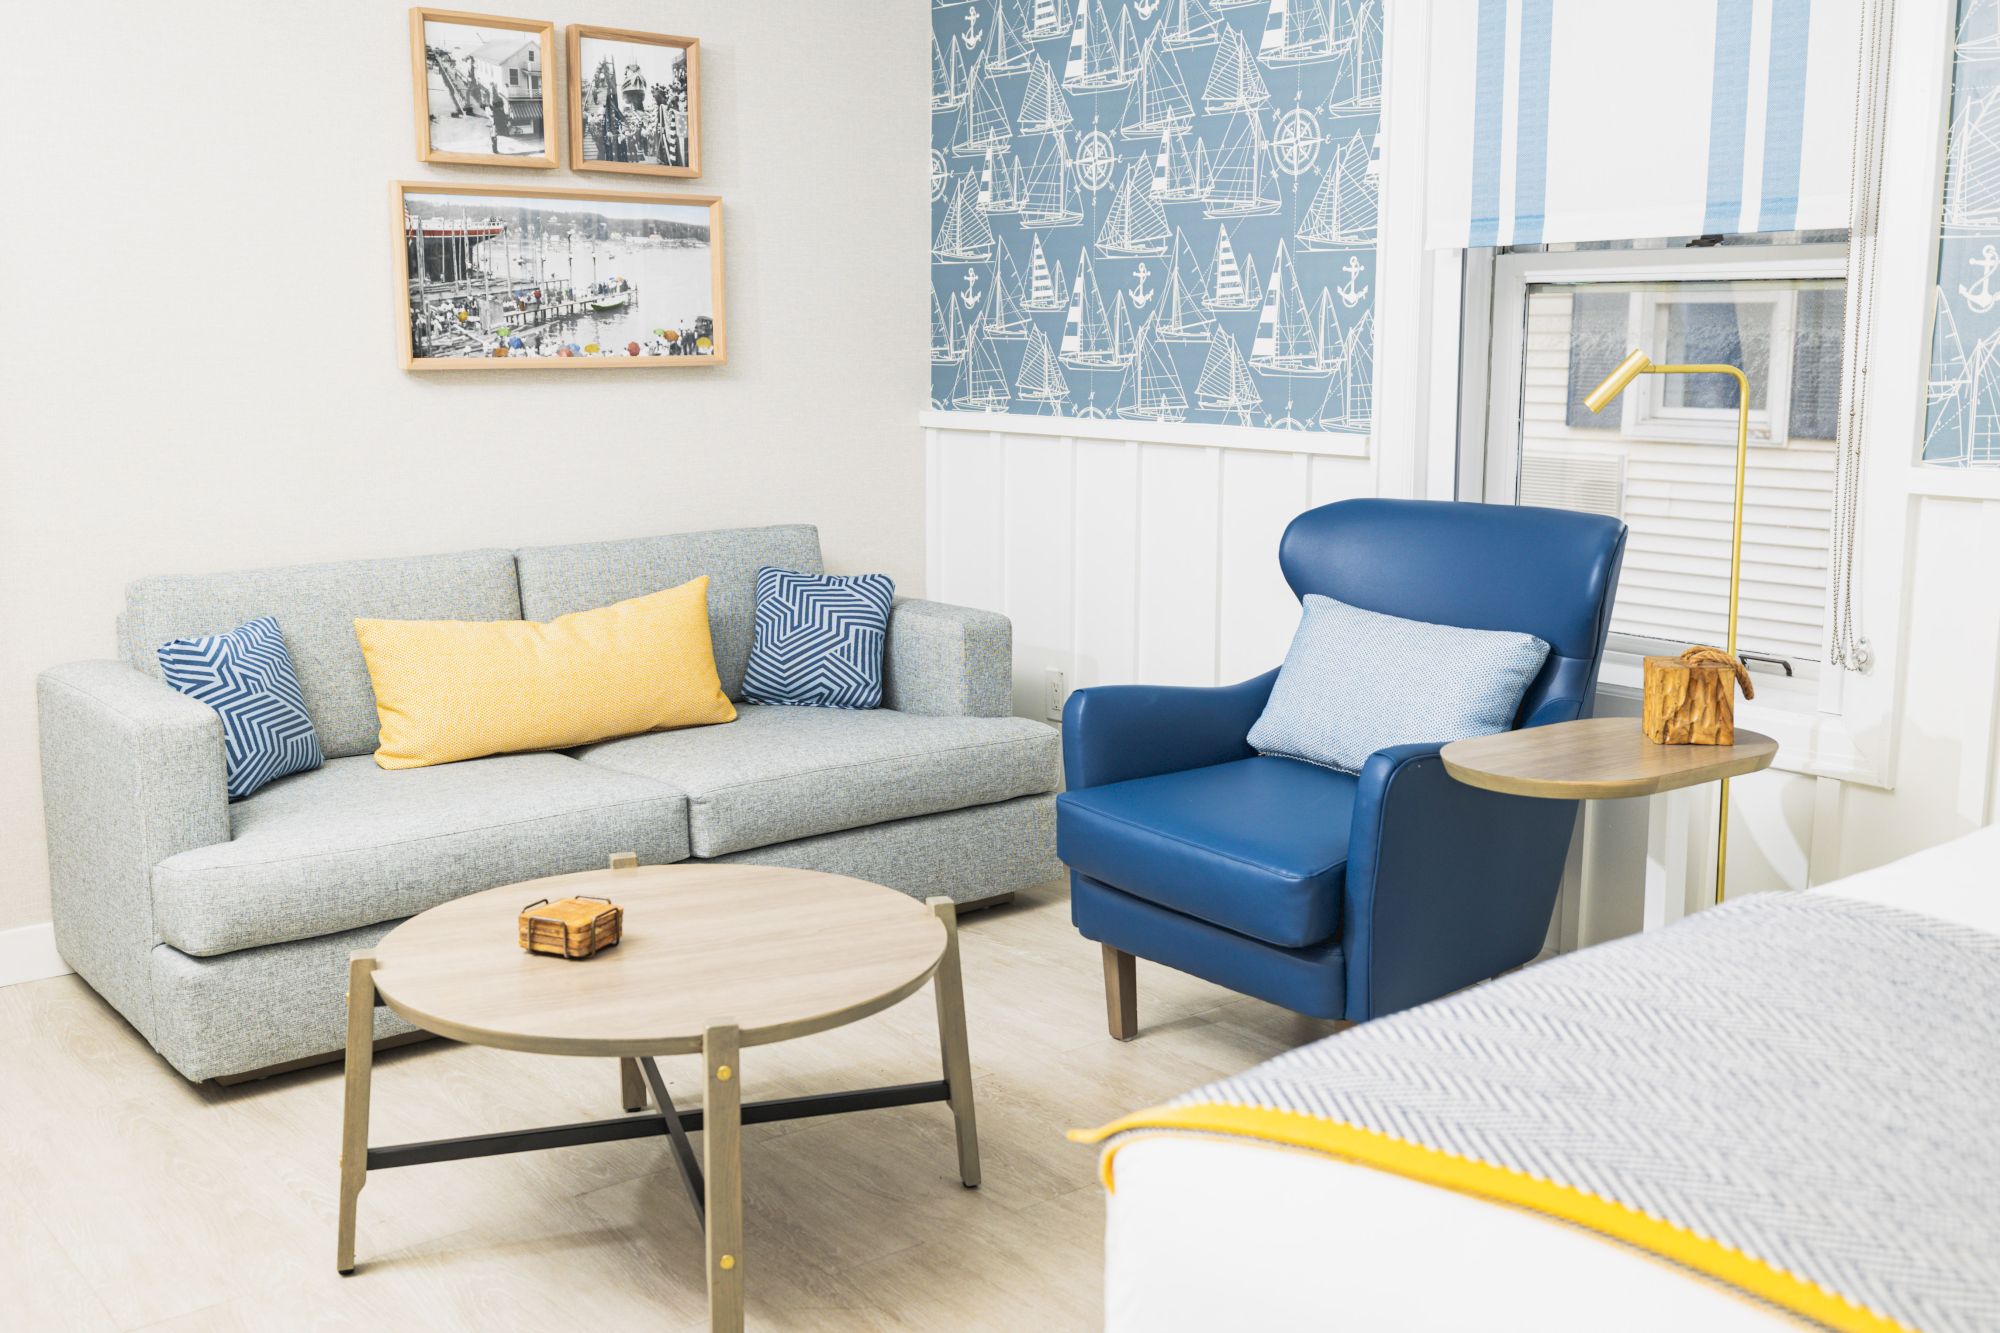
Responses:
[634,102]
[495,278]
[485,88]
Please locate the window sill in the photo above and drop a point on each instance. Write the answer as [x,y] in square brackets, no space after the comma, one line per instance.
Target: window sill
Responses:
[1810,742]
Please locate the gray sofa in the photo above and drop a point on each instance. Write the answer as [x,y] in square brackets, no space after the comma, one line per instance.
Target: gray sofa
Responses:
[221,930]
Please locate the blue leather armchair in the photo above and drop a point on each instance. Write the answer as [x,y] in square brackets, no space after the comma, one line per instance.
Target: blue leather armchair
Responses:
[1334,894]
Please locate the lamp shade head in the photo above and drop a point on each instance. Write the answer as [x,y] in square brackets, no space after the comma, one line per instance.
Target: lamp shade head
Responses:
[1614,384]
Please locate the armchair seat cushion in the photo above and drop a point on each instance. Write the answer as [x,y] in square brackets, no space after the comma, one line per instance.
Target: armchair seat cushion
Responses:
[1257,846]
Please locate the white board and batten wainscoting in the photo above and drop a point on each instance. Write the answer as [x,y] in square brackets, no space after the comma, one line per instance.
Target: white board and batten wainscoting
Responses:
[1126,552]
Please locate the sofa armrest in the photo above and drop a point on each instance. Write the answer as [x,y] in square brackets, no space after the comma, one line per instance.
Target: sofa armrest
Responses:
[948,661]
[1114,733]
[132,772]
[1447,884]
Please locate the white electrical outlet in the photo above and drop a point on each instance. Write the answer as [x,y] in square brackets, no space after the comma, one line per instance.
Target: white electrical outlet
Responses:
[1057,696]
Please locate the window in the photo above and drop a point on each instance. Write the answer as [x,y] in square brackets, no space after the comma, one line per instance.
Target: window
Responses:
[1662,456]
[1691,327]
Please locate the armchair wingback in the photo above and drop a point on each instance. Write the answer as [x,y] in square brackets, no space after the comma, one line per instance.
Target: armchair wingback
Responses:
[1344,896]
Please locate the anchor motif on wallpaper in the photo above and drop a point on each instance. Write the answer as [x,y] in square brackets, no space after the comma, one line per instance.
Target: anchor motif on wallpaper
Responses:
[972,36]
[1140,293]
[1145,9]
[1351,293]
[1981,297]
[971,295]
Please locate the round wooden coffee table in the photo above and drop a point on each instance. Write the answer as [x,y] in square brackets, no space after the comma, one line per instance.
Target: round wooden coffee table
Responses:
[713,958]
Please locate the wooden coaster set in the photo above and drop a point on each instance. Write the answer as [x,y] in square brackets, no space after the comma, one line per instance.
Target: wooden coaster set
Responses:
[575,927]
[1691,699]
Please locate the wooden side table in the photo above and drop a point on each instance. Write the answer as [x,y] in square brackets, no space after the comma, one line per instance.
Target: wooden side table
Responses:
[1604,758]
[714,959]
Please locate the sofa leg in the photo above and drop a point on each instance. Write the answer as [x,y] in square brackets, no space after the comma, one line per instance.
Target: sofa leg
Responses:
[1121,993]
[631,1085]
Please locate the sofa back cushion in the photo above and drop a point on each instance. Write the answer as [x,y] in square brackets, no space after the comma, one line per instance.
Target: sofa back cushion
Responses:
[559,580]
[316,607]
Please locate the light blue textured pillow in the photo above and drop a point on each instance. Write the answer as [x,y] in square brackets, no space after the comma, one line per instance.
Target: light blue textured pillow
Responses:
[246,676]
[819,639]
[1356,681]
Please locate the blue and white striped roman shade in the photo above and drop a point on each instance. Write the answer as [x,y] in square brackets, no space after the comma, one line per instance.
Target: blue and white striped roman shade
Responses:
[1593,120]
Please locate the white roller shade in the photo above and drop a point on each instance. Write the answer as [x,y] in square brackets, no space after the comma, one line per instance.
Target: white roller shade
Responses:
[1596,120]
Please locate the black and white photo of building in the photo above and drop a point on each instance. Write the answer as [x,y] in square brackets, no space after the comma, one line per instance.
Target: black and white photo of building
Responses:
[484,90]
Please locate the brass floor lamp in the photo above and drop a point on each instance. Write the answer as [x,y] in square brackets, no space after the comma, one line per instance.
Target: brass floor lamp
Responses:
[1633,366]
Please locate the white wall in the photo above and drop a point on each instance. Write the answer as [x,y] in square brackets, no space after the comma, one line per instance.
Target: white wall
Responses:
[199,369]
[1120,559]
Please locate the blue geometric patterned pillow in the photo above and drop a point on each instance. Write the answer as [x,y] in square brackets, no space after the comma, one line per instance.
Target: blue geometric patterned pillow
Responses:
[1357,681]
[246,676]
[819,639]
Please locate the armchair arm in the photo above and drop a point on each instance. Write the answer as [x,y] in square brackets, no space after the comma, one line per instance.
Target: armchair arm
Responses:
[132,772]
[1447,884]
[1113,733]
[951,661]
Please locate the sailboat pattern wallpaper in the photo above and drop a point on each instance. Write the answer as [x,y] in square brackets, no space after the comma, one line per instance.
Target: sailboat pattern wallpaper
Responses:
[1962,411]
[1156,210]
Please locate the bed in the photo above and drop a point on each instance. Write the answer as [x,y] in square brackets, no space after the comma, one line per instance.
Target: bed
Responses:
[1212,1230]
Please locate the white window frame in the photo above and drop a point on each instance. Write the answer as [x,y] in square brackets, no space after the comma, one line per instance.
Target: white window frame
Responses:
[1805,716]
[1645,412]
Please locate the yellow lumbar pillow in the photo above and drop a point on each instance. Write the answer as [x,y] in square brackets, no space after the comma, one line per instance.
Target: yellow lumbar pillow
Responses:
[457,689]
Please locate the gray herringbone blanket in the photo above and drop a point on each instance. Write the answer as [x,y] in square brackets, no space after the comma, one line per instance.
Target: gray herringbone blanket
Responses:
[1797,1095]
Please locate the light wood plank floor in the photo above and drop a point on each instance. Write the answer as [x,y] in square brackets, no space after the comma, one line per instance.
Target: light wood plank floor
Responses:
[131,1199]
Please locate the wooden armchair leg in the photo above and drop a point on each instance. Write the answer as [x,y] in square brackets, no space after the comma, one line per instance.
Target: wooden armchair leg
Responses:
[1121,993]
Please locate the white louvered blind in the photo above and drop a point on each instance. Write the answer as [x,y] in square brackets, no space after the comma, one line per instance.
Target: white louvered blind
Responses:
[1676,494]
[1560,479]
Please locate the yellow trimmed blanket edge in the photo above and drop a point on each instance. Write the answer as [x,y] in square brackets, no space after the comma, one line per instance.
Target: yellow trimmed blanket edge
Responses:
[1484,1180]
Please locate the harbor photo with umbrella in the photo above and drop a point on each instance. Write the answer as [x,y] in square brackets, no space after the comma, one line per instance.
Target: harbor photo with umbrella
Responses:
[634,102]
[485,89]
[497,278]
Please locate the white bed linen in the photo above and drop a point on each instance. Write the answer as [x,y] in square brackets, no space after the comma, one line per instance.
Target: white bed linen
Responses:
[1213,1233]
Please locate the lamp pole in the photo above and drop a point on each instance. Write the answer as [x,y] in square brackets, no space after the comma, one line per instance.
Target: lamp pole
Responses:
[1638,363]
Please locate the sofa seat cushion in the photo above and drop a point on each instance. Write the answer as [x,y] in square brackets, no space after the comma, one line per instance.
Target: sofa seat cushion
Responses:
[779,773]
[1257,846]
[354,844]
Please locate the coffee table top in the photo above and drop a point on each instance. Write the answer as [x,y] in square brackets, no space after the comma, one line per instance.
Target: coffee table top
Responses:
[780,953]
[1596,758]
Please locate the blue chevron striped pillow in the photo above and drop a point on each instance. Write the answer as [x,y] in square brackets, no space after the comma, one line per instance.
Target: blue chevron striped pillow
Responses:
[246,676]
[819,639]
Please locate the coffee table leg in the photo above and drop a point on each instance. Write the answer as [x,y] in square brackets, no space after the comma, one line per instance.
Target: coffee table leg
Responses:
[354,1116]
[949,985]
[631,1085]
[722,1166]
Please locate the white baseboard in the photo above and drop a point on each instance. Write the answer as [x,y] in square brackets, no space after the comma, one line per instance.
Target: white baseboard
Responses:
[28,953]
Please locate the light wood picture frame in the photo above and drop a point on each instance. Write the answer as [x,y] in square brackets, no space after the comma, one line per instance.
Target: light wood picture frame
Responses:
[484,88]
[634,102]
[497,277]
